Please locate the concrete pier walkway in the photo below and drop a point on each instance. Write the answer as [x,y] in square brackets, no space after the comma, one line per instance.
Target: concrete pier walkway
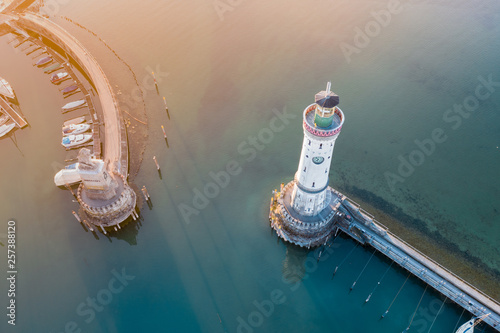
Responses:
[361,225]
[365,229]
[115,142]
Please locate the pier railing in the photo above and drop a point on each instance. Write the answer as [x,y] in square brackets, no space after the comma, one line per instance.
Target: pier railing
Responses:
[426,257]
[424,267]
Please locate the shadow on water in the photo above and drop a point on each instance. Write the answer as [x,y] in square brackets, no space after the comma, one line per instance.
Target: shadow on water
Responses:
[294,269]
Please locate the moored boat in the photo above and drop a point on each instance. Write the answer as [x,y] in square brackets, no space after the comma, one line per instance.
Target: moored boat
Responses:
[57,77]
[75,140]
[6,89]
[67,176]
[75,129]
[3,118]
[52,68]
[73,105]
[77,120]
[6,128]
[69,89]
[44,61]
[468,327]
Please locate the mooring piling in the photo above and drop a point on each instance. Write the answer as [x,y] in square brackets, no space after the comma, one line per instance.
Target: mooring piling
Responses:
[76,216]
[71,190]
[156,83]
[165,135]
[166,107]
[145,193]
[88,225]
[157,165]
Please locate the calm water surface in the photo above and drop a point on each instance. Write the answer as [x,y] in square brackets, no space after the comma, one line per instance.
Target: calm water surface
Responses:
[222,80]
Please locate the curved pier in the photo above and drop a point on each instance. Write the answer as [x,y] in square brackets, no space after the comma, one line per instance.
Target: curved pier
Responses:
[105,198]
[115,143]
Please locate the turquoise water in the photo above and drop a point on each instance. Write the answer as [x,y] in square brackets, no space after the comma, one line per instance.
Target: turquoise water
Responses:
[222,80]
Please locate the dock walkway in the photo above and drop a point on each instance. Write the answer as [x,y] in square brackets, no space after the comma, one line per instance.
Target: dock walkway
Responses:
[13,114]
[365,229]
[114,148]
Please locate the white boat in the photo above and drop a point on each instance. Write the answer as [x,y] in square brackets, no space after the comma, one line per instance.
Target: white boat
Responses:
[73,105]
[67,176]
[3,118]
[4,129]
[6,89]
[77,120]
[75,129]
[57,77]
[468,327]
[75,140]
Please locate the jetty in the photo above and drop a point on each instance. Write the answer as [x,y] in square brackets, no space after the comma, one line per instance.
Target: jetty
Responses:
[115,148]
[106,199]
[360,225]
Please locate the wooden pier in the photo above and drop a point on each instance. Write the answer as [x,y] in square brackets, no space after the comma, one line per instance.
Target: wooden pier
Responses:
[13,114]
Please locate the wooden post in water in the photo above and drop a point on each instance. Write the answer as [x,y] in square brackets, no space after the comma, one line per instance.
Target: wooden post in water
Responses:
[156,162]
[166,107]
[145,193]
[154,78]
[76,216]
[165,135]
[156,83]
[88,225]
[71,190]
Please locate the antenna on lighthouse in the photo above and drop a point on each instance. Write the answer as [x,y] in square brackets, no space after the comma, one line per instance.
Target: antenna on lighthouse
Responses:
[328,86]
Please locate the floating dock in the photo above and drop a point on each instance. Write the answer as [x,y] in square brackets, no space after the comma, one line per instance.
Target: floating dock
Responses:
[361,226]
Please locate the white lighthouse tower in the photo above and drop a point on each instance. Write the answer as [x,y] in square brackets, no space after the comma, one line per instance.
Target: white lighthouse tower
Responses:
[302,212]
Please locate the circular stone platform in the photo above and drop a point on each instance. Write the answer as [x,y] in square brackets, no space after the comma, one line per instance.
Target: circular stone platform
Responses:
[108,213]
[301,230]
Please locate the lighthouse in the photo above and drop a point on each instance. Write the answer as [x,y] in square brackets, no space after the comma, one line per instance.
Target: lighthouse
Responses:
[302,212]
[105,198]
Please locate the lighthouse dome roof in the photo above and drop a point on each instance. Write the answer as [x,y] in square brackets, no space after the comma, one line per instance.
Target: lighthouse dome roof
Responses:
[328,101]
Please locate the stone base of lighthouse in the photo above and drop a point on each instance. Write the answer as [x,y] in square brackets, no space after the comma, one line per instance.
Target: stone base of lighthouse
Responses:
[298,229]
[107,212]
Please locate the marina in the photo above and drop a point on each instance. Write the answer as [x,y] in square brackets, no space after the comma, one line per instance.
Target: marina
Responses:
[113,206]
[6,92]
